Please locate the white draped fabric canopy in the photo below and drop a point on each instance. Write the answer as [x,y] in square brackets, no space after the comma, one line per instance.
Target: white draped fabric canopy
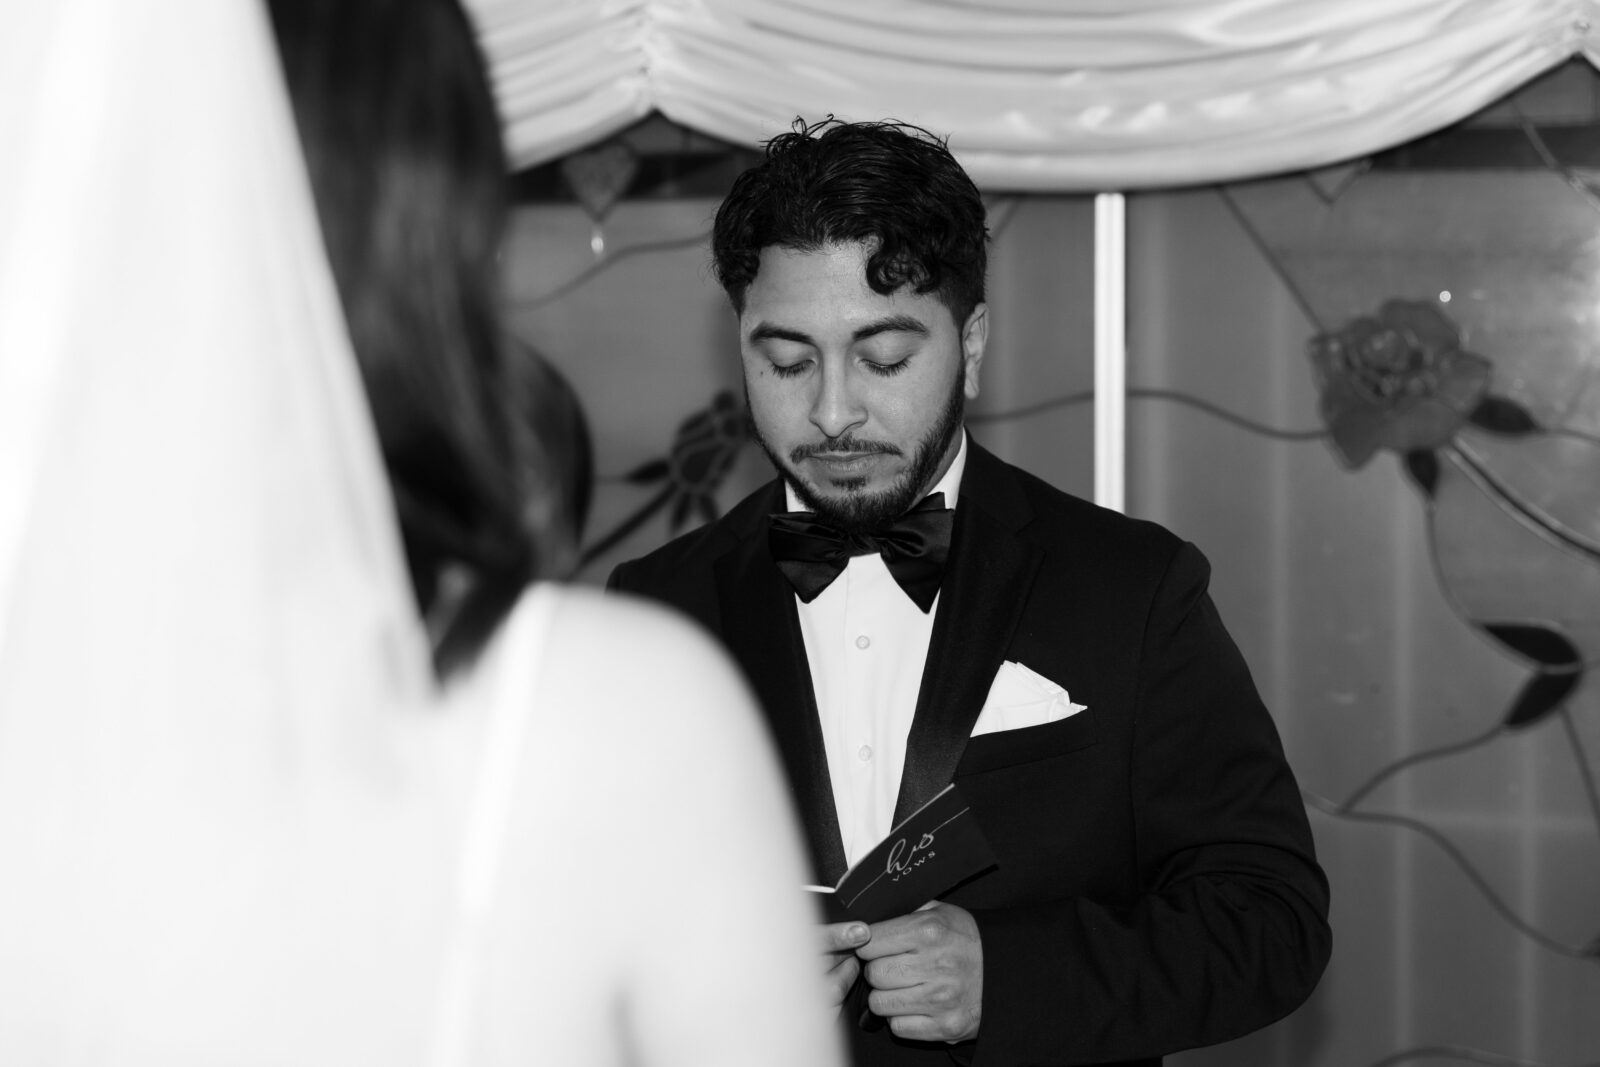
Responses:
[1035,95]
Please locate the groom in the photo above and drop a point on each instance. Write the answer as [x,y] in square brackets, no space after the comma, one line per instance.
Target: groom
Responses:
[913,611]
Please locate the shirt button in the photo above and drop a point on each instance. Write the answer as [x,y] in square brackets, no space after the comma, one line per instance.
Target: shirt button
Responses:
[865,752]
[863,641]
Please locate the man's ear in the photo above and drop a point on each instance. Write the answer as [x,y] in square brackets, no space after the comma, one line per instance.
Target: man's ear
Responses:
[974,339]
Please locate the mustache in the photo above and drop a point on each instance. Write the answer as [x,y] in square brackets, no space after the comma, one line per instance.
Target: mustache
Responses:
[842,444]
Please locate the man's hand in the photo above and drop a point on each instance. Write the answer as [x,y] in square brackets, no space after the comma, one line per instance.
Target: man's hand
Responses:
[926,973]
[839,943]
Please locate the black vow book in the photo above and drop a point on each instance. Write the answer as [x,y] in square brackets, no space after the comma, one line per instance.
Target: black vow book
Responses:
[933,850]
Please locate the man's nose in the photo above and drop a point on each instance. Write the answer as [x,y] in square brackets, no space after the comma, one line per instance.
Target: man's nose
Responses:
[836,409]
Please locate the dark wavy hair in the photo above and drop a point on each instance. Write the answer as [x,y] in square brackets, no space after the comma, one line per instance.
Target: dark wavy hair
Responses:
[402,141]
[549,410]
[890,184]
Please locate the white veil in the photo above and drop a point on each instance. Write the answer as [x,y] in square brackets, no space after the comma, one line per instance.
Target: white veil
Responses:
[238,821]
[204,615]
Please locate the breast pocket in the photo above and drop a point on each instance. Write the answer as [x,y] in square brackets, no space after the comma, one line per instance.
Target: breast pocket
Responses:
[1011,748]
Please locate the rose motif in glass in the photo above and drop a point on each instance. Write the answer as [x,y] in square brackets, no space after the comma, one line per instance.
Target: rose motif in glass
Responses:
[1398,380]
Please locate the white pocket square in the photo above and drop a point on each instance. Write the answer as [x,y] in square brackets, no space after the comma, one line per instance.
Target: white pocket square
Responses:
[1021,697]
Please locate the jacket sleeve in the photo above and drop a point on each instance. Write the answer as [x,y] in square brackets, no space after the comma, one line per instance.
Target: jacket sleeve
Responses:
[1229,931]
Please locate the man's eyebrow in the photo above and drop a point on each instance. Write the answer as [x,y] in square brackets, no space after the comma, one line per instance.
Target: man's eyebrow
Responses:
[767,331]
[892,324]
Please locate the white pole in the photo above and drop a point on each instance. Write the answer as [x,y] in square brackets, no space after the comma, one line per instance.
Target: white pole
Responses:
[1110,349]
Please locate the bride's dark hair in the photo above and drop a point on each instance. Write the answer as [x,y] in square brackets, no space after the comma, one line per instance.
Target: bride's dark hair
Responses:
[403,144]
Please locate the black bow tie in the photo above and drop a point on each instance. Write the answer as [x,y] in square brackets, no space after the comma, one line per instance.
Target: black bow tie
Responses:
[811,553]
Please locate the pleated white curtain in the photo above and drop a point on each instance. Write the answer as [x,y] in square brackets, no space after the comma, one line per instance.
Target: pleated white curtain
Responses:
[1035,95]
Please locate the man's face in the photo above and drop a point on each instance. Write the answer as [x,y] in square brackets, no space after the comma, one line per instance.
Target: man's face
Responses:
[856,397]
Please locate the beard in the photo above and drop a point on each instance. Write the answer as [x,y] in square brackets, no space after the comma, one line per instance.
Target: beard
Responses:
[857,511]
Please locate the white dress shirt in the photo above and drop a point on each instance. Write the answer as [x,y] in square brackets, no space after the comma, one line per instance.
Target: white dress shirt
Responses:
[866,642]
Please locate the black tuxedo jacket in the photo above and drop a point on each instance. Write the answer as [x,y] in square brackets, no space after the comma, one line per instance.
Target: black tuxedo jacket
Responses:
[1157,887]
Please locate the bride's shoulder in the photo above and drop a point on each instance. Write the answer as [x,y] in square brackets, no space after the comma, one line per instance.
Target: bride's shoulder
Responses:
[637,643]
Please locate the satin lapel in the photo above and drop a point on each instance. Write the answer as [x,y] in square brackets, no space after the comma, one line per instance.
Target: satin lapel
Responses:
[762,629]
[985,587]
